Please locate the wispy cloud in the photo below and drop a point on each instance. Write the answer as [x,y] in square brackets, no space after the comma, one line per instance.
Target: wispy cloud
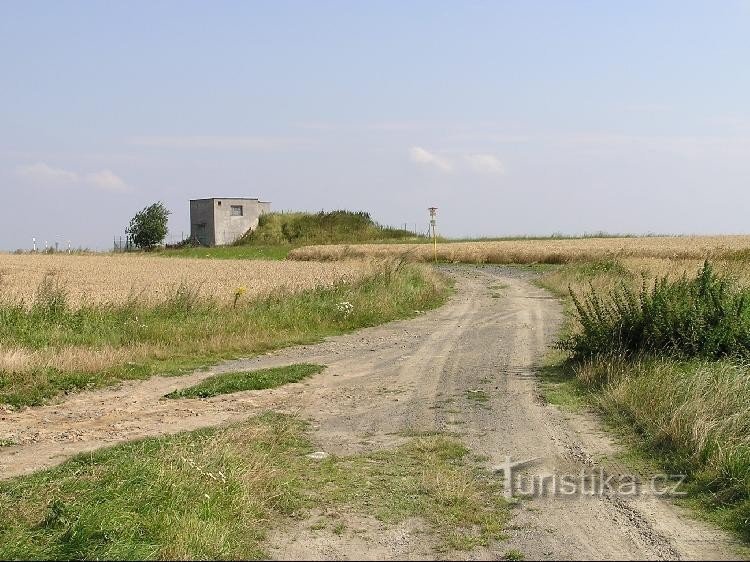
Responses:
[43,174]
[106,180]
[485,164]
[468,162]
[422,156]
[217,142]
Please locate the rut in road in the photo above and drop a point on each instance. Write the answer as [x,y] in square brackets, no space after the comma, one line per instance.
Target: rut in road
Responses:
[382,383]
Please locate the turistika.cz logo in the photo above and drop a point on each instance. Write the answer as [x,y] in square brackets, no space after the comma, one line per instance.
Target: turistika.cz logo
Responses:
[519,481]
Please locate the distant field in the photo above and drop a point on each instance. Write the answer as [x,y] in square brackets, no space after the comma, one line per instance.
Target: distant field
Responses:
[116,278]
[552,251]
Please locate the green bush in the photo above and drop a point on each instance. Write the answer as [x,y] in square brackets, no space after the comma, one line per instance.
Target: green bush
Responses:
[704,317]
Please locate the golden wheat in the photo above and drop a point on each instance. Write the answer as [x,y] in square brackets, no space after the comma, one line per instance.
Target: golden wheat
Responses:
[538,251]
[633,272]
[116,278]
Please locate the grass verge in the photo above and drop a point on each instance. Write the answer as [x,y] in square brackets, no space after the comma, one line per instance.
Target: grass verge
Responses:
[53,348]
[216,493]
[227,383]
[685,415]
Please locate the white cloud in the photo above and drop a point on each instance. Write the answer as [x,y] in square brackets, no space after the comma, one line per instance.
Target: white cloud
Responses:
[485,164]
[106,180]
[477,163]
[42,173]
[422,156]
[47,176]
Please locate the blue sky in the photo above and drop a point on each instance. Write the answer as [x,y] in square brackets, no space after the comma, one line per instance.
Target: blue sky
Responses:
[524,117]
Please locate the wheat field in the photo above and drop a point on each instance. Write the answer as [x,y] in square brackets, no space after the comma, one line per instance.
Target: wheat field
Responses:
[539,251]
[100,279]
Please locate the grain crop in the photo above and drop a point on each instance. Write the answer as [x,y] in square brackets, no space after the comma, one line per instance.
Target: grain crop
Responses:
[608,275]
[100,279]
[551,251]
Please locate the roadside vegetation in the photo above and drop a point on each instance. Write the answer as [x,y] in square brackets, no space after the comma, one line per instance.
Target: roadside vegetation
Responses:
[214,494]
[661,348]
[49,346]
[261,379]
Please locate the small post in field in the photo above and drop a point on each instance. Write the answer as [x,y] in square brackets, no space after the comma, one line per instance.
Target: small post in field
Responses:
[433,222]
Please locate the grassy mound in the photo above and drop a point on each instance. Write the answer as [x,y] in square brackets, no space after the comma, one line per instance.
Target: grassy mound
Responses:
[320,228]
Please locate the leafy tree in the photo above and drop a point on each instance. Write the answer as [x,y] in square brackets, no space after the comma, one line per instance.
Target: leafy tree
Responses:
[148,227]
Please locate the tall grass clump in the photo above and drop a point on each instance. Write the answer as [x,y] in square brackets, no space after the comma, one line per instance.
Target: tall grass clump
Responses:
[692,417]
[706,316]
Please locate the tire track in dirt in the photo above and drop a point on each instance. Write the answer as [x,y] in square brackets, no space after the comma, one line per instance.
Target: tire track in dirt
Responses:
[382,383]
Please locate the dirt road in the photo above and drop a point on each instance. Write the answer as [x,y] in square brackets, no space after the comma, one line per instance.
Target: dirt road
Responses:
[469,368]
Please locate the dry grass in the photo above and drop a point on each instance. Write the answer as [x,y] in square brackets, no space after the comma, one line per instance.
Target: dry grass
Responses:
[117,278]
[539,251]
[20,360]
[605,275]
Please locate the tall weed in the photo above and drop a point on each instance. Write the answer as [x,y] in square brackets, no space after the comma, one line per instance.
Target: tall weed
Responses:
[707,316]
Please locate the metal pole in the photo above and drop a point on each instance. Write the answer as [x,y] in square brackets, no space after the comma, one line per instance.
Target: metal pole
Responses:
[433,221]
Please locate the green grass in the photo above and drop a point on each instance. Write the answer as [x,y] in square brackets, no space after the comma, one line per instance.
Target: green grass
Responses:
[691,415]
[561,388]
[216,493]
[297,228]
[186,333]
[227,383]
[706,316]
[255,252]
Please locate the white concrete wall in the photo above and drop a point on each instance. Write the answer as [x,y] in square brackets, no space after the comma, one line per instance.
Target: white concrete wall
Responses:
[228,228]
